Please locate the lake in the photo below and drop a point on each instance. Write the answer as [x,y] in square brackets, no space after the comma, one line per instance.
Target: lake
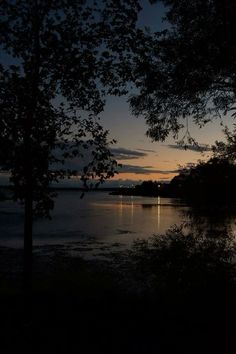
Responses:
[98,217]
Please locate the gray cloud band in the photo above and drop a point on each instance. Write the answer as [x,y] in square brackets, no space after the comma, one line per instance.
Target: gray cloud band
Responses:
[144,170]
[195,148]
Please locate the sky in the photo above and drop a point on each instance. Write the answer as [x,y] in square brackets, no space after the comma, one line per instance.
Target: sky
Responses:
[141,158]
[144,159]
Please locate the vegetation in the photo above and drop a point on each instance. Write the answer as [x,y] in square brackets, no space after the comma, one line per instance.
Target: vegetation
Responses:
[207,182]
[60,59]
[185,261]
[178,286]
[146,188]
[189,68]
[226,150]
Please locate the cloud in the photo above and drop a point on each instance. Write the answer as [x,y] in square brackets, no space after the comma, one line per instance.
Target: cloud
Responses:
[146,150]
[126,154]
[119,153]
[195,148]
[146,170]
[77,163]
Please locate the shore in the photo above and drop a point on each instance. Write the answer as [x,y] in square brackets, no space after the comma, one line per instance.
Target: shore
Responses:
[119,304]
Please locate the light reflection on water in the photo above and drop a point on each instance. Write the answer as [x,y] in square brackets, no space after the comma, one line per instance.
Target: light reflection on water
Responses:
[98,215]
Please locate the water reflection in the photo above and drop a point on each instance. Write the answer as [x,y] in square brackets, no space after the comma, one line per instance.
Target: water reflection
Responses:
[158,212]
[120,208]
[208,219]
[132,210]
[101,216]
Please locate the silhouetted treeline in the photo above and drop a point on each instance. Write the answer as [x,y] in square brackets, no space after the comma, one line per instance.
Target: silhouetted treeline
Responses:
[208,182]
[211,181]
[146,188]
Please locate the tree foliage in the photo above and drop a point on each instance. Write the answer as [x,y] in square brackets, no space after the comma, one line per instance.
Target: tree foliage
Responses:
[211,182]
[183,262]
[189,68]
[226,150]
[60,59]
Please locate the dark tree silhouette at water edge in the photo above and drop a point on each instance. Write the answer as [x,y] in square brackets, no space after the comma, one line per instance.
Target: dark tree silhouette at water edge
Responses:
[57,67]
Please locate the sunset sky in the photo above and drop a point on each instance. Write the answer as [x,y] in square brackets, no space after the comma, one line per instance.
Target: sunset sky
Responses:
[141,158]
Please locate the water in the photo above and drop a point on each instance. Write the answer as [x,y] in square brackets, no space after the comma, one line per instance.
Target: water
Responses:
[98,216]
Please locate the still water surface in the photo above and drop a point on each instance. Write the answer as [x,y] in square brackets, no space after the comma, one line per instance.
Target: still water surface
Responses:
[97,216]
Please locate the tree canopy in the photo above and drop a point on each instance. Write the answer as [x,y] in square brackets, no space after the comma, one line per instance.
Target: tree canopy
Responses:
[189,68]
[212,181]
[60,59]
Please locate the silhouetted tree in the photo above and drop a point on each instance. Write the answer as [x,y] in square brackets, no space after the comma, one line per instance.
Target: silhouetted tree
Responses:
[226,150]
[207,182]
[189,68]
[59,60]
[147,188]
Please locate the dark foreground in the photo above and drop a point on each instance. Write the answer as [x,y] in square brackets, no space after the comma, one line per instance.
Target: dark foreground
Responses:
[166,298]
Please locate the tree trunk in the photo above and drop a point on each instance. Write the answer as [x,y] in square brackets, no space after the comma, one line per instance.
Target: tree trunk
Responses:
[27,271]
[28,226]
[30,121]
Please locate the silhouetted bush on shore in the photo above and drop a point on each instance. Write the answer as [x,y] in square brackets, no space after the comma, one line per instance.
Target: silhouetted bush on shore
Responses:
[184,262]
[161,295]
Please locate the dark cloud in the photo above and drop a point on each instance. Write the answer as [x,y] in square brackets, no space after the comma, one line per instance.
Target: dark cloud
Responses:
[146,170]
[195,148]
[127,154]
[120,153]
[78,163]
[146,150]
